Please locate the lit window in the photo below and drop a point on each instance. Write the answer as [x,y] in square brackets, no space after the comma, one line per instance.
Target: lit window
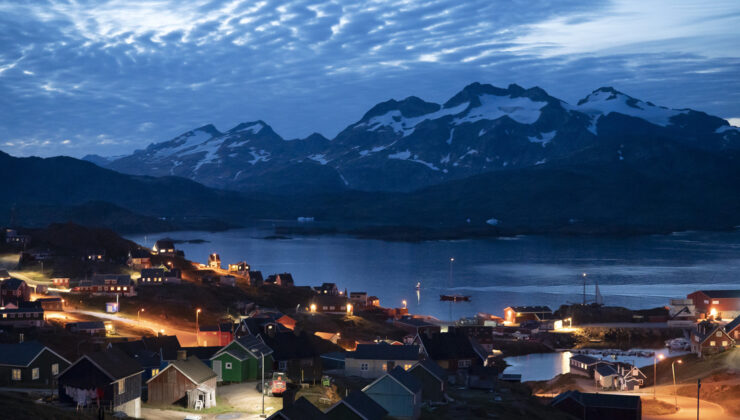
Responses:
[719,334]
[715,302]
[724,343]
[125,288]
[228,365]
[35,373]
[364,366]
[706,302]
[55,369]
[155,372]
[712,343]
[16,374]
[385,367]
[407,366]
[121,387]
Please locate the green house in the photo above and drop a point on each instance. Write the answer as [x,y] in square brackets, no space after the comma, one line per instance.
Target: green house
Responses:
[241,360]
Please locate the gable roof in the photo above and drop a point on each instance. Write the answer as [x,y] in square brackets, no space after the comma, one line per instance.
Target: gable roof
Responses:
[250,343]
[531,309]
[406,379]
[166,344]
[301,409]
[362,405]
[202,353]
[719,294]
[289,346]
[710,333]
[23,354]
[585,359]
[450,345]
[12,284]
[432,367]
[732,325]
[114,363]
[599,400]
[606,369]
[384,351]
[193,369]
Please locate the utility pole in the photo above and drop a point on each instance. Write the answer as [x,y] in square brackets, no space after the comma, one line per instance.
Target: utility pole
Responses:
[584,289]
[698,387]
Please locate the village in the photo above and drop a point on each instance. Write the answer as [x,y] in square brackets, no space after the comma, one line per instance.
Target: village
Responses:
[94,325]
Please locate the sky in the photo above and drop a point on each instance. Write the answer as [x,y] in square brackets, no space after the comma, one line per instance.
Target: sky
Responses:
[107,77]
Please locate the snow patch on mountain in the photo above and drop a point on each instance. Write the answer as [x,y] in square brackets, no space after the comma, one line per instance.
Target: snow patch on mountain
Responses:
[543,138]
[522,110]
[406,126]
[254,128]
[605,101]
[726,128]
[449,140]
[400,155]
[319,157]
[260,156]
[493,222]
[184,144]
[406,155]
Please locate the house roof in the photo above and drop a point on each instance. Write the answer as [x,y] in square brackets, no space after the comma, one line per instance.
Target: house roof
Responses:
[446,346]
[167,344]
[120,279]
[585,359]
[605,369]
[334,300]
[531,309]
[88,325]
[289,346]
[384,351]
[22,354]
[165,243]
[599,400]
[114,363]
[432,367]
[362,404]
[195,370]
[301,409]
[254,345]
[202,353]
[406,379]
[733,324]
[151,272]
[237,353]
[709,333]
[719,294]
[12,284]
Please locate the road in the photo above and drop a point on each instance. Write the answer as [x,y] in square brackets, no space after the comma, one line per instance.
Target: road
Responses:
[187,338]
[686,406]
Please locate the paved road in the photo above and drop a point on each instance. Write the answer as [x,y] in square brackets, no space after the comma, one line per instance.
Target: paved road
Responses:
[686,406]
[186,337]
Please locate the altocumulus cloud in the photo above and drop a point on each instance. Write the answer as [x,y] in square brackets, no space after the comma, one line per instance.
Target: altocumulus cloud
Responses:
[109,76]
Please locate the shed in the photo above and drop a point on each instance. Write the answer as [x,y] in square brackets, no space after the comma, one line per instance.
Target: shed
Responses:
[241,360]
[433,379]
[188,379]
[398,392]
[29,364]
[588,406]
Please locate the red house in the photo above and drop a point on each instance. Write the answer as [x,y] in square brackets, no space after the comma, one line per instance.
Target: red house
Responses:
[717,302]
[215,335]
[710,339]
[14,291]
[733,330]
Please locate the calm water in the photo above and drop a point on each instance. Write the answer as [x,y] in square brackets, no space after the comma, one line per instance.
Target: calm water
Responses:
[545,366]
[633,272]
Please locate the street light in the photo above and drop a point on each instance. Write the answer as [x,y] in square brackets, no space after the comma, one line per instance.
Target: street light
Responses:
[262,355]
[197,311]
[404,303]
[673,369]
[138,315]
[655,373]
[349,309]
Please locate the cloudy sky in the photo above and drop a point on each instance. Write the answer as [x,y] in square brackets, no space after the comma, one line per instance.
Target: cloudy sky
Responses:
[107,77]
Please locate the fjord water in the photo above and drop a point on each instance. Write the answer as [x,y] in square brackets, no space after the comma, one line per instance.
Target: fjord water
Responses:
[635,272]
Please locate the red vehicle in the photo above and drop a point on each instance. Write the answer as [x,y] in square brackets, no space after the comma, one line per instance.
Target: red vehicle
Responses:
[278,384]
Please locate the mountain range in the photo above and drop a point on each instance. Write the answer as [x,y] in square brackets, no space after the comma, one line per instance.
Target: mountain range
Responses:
[406,145]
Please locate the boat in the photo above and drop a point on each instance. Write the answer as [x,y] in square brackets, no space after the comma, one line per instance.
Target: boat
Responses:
[418,285]
[454,298]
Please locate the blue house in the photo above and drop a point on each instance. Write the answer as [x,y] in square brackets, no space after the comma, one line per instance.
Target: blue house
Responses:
[398,392]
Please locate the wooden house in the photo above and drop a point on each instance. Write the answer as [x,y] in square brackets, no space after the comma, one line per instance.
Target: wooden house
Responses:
[433,380]
[359,299]
[219,334]
[86,327]
[214,261]
[51,303]
[519,314]
[710,339]
[114,377]
[164,247]
[453,351]
[398,392]
[329,304]
[375,360]
[414,325]
[255,278]
[587,406]
[241,360]
[185,380]
[328,289]
[139,259]
[733,330]
[29,364]
[717,303]
[584,365]
[25,315]
[282,279]
[60,282]
[301,409]
[152,276]
[356,406]
[14,291]
[107,284]
[297,355]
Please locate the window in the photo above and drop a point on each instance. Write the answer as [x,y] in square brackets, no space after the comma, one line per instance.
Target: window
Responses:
[706,302]
[463,363]
[364,367]
[228,365]
[35,373]
[55,369]
[155,372]
[385,367]
[724,343]
[406,366]
[283,365]
[712,343]
[121,387]
[719,334]
[715,302]
[16,374]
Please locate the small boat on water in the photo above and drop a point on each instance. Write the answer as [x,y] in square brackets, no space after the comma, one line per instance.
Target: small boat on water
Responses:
[454,298]
[418,285]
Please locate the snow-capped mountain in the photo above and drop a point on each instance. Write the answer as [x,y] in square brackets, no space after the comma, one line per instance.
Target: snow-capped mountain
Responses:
[409,144]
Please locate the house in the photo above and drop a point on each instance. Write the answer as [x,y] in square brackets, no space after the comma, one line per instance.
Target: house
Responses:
[681,313]
[333,360]
[202,353]
[173,276]
[297,355]
[328,289]
[51,303]
[710,338]
[301,409]
[716,303]
[61,282]
[241,360]
[86,327]
[373,302]
[584,365]
[415,326]
[398,392]
[239,267]
[255,278]
[164,247]
[733,329]
[107,284]
[433,379]
[588,406]
[152,353]
[606,376]
[356,406]
[12,237]
[260,324]
[453,351]
[96,255]
[283,279]
[214,261]
[375,360]
[186,379]
[227,281]
[219,334]
[27,314]
[29,364]
[519,314]
[631,378]
[14,291]
[358,299]
[115,377]
[139,259]
[329,304]
[152,276]
[4,274]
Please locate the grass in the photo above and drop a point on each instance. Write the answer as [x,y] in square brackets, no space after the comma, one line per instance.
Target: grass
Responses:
[560,383]
[21,408]
[657,407]
[221,408]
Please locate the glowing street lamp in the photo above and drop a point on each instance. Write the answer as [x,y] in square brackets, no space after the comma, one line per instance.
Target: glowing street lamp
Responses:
[138,315]
[313,308]
[404,303]
[655,372]
[197,311]
[349,309]
[673,369]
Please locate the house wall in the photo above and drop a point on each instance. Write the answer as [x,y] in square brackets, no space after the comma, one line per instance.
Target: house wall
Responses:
[432,389]
[86,375]
[169,387]
[376,368]
[704,303]
[395,399]
[238,371]
[43,362]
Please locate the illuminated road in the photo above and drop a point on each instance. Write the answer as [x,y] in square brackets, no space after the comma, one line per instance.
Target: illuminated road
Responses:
[186,337]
